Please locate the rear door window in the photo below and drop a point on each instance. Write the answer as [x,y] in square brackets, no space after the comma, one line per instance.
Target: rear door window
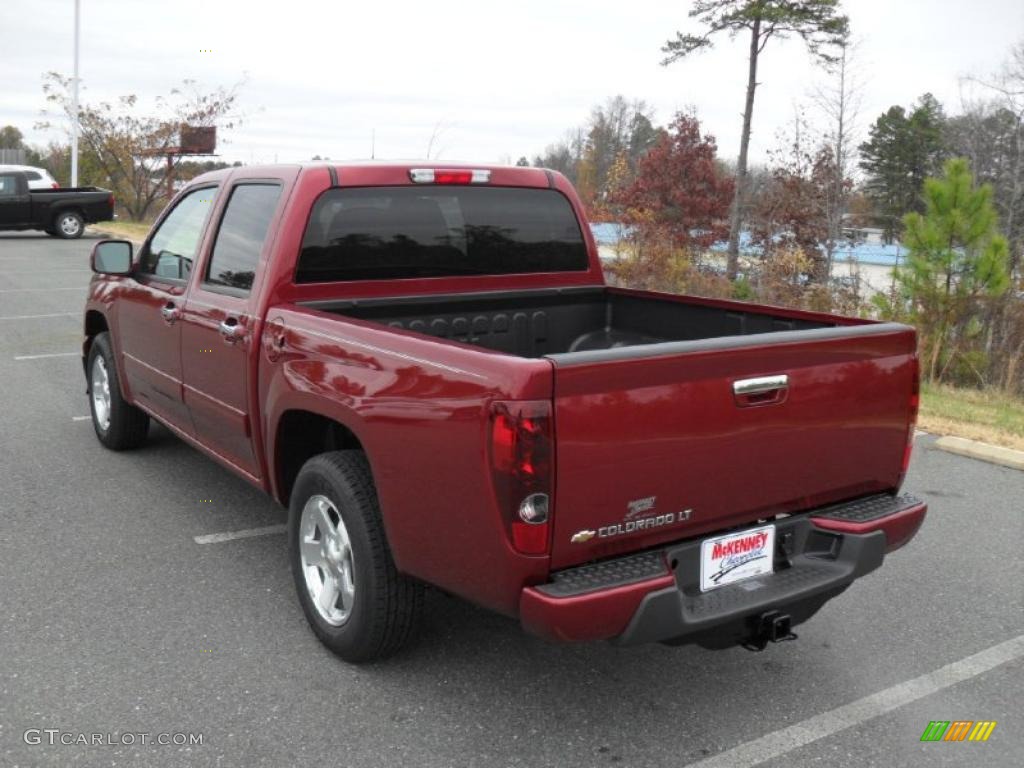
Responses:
[379,233]
[240,237]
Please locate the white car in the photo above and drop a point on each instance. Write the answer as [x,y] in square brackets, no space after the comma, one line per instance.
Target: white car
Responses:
[38,178]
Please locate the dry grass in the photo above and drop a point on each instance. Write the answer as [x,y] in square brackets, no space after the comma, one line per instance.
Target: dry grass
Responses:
[129,230]
[990,417]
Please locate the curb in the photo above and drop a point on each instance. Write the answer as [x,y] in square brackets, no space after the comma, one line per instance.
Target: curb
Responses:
[994,454]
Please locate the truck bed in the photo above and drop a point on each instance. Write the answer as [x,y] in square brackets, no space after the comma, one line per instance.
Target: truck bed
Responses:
[568,321]
[649,403]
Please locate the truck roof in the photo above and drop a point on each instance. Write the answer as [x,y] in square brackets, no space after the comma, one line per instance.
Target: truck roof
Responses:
[525,175]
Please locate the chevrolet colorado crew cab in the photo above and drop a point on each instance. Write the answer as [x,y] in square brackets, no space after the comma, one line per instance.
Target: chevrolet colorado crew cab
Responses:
[425,365]
[58,212]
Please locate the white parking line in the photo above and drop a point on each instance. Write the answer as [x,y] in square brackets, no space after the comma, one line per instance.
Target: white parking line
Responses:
[248,533]
[80,418]
[828,723]
[51,354]
[39,317]
[43,271]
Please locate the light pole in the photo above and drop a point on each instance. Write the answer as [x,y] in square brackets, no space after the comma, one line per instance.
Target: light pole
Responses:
[74,107]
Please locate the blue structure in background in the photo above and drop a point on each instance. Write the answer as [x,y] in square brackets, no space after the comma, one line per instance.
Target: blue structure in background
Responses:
[881,254]
[886,255]
[609,233]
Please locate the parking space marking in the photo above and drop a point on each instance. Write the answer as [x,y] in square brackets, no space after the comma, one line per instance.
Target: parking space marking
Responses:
[248,533]
[80,270]
[80,418]
[812,729]
[39,317]
[50,354]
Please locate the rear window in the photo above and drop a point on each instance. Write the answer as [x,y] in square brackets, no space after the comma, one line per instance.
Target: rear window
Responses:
[376,233]
[32,176]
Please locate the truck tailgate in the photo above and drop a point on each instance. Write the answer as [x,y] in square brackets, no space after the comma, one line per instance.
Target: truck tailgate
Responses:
[654,444]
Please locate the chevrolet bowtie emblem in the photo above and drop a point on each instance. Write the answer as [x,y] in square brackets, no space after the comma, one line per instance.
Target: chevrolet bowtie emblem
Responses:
[581,536]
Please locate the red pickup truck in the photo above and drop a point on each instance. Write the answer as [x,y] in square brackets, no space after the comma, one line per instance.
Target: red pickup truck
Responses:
[425,365]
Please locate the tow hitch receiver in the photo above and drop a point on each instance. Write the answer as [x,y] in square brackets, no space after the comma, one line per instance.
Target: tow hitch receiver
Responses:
[770,627]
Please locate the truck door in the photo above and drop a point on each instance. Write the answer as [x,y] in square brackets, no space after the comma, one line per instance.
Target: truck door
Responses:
[219,327]
[15,204]
[150,309]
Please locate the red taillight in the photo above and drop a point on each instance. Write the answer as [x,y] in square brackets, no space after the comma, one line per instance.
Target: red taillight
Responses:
[915,402]
[522,464]
[453,177]
[55,185]
[111,202]
[449,176]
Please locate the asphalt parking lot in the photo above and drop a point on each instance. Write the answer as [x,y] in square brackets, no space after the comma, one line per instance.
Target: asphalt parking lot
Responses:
[115,620]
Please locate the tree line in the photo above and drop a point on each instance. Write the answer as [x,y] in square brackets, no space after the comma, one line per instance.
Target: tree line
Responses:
[948,186]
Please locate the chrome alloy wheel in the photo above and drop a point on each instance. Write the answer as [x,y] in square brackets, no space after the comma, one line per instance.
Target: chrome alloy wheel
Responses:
[70,226]
[326,554]
[100,388]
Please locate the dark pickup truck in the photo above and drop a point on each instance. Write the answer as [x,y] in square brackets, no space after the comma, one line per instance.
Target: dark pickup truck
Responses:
[58,212]
[426,366]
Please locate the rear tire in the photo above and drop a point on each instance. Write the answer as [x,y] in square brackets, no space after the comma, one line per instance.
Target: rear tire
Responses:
[356,602]
[119,425]
[68,225]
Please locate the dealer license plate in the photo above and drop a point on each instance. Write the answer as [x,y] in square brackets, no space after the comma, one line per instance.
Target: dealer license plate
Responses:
[736,556]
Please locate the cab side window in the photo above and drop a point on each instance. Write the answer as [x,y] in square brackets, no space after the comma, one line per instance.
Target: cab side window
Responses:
[8,185]
[242,233]
[174,246]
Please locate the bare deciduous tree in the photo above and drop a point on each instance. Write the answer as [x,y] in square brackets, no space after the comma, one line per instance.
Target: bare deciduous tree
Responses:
[127,143]
[839,99]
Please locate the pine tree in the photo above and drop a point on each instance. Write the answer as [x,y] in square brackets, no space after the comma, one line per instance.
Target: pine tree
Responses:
[903,150]
[956,259]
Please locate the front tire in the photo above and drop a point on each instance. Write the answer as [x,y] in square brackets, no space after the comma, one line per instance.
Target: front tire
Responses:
[68,225]
[356,602]
[119,425]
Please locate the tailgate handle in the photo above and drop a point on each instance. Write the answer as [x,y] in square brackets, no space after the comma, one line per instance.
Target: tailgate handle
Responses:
[763,390]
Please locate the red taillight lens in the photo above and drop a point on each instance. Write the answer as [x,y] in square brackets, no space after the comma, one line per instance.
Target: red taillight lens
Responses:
[111,202]
[915,402]
[522,464]
[453,177]
[55,185]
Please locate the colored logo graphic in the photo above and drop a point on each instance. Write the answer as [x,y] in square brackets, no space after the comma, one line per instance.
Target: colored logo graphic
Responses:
[958,730]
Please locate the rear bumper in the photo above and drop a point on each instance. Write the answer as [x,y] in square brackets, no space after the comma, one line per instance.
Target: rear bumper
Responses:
[655,595]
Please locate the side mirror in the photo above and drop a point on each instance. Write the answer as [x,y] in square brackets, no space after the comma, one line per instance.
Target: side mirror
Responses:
[111,257]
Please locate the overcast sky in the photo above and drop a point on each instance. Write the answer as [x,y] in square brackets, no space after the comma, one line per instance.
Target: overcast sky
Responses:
[497,80]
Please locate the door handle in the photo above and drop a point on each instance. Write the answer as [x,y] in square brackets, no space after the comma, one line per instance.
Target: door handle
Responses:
[274,339]
[230,329]
[762,390]
[760,385]
[170,313]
